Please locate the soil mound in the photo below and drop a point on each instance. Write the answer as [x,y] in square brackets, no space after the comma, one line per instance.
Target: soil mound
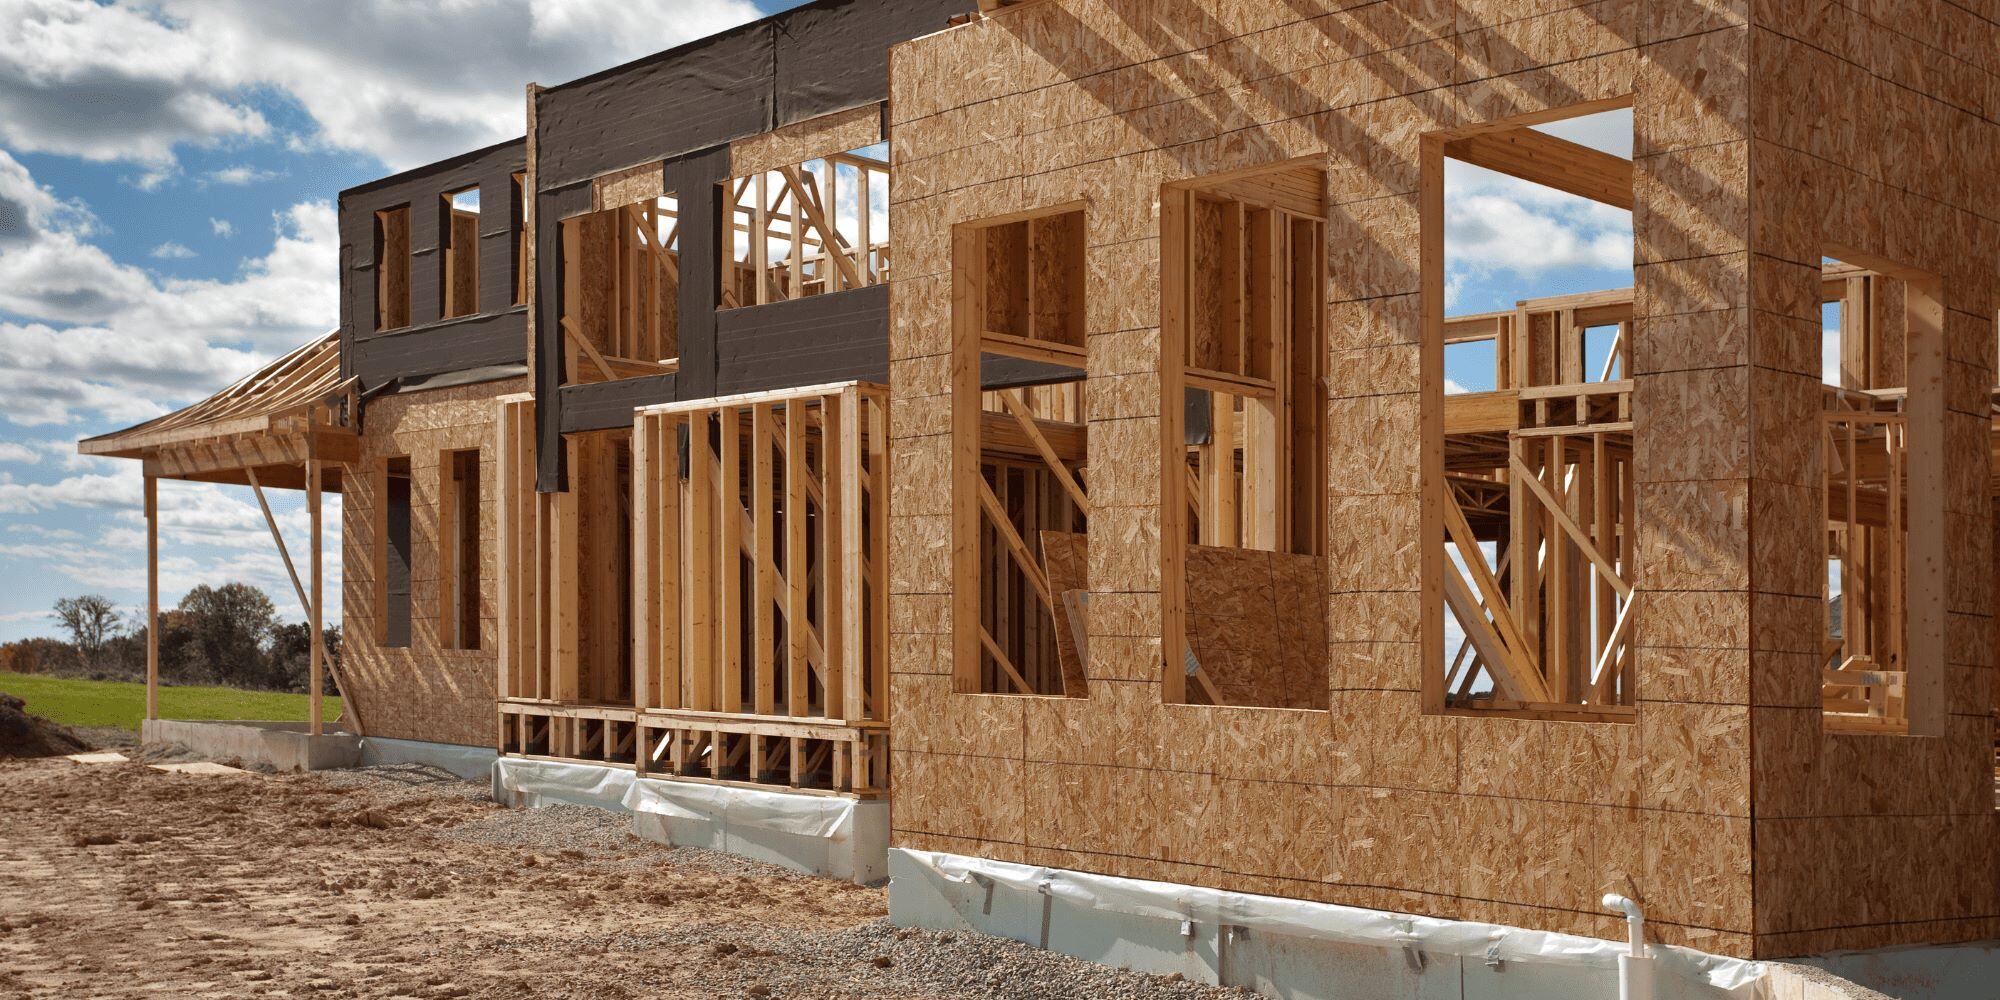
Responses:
[24,735]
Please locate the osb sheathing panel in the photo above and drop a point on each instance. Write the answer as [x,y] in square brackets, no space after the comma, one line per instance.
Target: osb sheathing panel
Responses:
[1868,134]
[839,132]
[424,691]
[1373,802]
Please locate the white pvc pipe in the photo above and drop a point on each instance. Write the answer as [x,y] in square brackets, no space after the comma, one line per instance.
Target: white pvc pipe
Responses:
[1635,968]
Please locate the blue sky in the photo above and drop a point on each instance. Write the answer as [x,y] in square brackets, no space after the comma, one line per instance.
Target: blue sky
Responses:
[167,177]
[168,170]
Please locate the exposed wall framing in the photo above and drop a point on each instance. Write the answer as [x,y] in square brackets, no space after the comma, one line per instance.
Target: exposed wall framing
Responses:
[1881,449]
[621,290]
[1242,312]
[761,560]
[710,591]
[1534,554]
[1019,459]
[1539,527]
[806,229]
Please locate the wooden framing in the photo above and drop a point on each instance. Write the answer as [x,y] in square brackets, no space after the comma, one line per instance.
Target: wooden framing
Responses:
[620,296]
[1540,517]
[287,425]
[805,229]
[1533,556]
[1016,481]
[1242,272]
[460,548]
[392,268]
[1882,456]
[459,274]
[740,634]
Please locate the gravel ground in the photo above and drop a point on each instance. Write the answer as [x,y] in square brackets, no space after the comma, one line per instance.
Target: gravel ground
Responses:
[403,881]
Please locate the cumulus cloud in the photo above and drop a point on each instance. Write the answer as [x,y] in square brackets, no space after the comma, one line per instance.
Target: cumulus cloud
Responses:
[69,352]
[208,534]
[173,251]
[407,83]
[1501,225]
[222,227]
[15,452]
[240,175]
[1496,223]
[113,490]
[148,85]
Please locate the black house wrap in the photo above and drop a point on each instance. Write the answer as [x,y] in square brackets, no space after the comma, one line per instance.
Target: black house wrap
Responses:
[496,334]
[681,108]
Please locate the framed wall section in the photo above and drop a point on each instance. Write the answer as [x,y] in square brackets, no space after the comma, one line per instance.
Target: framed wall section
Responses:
[1242,525]
[1018,477]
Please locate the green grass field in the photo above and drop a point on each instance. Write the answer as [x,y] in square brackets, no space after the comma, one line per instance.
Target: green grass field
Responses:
[116,703]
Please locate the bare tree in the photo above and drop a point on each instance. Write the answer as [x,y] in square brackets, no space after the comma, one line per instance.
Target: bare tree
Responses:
[91,622]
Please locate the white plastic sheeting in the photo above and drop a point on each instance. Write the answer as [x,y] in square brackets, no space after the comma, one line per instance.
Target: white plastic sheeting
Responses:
[819,816]
[1345,924]
[536,782]
[820,834]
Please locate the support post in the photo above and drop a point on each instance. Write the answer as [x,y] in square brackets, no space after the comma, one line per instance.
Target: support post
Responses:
[152,597]
[313,471]
[350,709]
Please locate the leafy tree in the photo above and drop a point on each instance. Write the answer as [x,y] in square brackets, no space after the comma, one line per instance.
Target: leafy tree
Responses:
[91,621]
[291,657]
[227,628]
[37,655]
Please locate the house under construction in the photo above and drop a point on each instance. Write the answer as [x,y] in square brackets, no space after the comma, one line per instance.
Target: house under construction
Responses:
[1037,418]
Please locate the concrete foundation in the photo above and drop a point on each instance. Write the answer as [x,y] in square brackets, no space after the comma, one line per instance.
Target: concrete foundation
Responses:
[1282,947]
[817,834]
[1937,972]
[286,746]
[470,763]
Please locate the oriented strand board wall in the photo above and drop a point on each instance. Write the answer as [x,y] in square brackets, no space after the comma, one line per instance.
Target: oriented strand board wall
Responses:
[1372,802]
[422,692]
[1874,134]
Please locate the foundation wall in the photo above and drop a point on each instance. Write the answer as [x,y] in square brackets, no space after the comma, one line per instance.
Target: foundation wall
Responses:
[425,691]
[1367,800]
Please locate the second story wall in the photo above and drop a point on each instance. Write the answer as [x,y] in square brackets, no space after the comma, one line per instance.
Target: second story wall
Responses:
[416,301]
[664,126]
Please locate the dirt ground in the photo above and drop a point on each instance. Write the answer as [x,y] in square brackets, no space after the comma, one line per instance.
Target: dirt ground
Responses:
[117,880]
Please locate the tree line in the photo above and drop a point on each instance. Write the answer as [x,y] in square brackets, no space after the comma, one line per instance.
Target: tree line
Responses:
[228,635]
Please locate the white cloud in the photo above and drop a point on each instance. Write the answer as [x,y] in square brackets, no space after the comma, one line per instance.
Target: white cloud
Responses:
[208,534]
[155,178]
[148,85]
[1501,225]
[173,251]
[17,453]
[240,175]
[408,83]
[72,354]
[1498,223]
[93,490]
[222,227]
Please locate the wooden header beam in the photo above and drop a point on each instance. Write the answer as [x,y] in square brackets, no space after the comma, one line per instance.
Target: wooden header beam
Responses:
[1540,158]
